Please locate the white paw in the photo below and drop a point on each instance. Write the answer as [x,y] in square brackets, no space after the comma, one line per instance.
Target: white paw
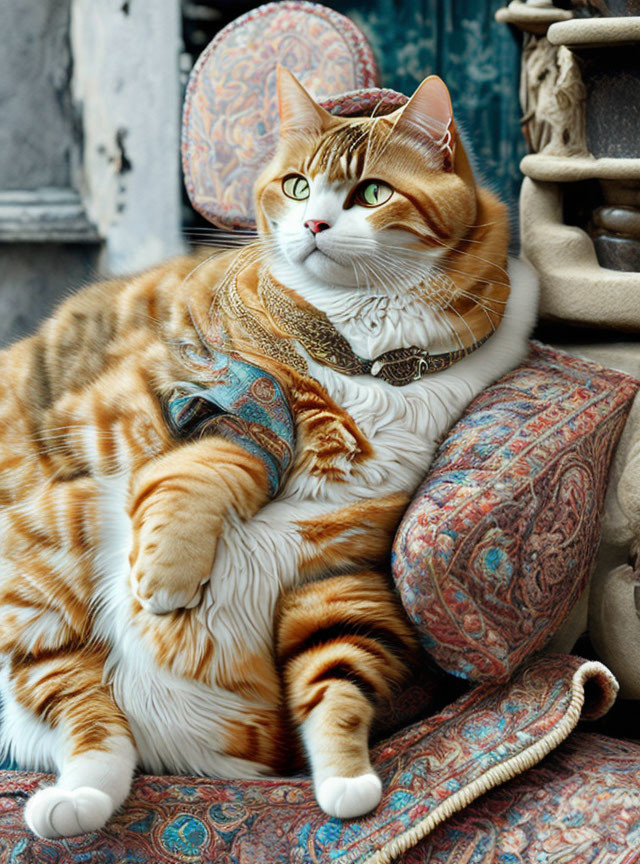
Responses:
[348,797]
[163,601]
[55,812]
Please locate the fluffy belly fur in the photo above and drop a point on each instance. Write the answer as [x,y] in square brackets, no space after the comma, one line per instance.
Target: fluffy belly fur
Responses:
[195,695]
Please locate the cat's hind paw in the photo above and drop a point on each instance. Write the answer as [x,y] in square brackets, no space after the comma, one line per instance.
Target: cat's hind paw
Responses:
[349,797]
[55,812]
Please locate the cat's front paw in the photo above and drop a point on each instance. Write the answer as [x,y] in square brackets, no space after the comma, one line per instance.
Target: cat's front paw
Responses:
[166,576]
[349,797]
[55,812]
[161,601]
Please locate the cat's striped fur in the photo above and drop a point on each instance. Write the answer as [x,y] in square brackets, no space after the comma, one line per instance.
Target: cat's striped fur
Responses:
[156,607]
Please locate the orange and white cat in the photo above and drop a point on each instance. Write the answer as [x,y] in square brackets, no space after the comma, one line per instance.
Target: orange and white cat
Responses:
[160,606]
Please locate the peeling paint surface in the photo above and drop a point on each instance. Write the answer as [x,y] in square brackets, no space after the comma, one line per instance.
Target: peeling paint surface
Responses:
[126,86]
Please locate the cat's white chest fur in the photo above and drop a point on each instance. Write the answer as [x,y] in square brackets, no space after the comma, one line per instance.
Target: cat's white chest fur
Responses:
[255,560]
[405,424]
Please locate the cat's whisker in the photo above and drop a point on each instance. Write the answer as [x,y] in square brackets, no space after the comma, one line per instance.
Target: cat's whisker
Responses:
[381,268]
[59,448]
[231,242]
[478,299]
[451,308]
[359,273]
[487,310]
[480,225]
[477,258]
[489,319]
[218,244]
[68,426]
[356,270]
[370,278]
[483,301]
[412,272]
[212,239]
[396,278]
[355,246]
[196,268]
[50,480]
[471,240]
[38,454]
[355,274]
[223,231]
[51,438]
[407,251]
[368,271]
[475,278]
[72,430]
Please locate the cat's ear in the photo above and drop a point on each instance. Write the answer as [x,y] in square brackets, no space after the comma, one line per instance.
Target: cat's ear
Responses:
[298,111]
[428,116]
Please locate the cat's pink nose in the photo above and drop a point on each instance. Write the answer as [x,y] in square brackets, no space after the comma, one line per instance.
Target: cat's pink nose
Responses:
[316,225]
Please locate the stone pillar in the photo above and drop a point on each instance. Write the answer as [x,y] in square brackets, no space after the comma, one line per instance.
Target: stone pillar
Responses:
[580,199]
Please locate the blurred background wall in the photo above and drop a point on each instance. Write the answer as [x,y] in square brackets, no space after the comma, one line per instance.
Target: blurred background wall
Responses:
[90,99]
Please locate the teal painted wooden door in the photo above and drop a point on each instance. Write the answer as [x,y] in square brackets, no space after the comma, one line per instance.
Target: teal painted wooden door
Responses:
[478,58]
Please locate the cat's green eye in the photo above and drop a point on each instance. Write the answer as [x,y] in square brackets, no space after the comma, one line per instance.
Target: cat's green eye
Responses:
[296,186]
[373,193]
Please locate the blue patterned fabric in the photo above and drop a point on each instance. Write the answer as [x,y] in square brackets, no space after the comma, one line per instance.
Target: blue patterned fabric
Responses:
[241,402]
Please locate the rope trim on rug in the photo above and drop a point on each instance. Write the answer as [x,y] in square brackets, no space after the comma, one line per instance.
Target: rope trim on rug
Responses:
[590,670]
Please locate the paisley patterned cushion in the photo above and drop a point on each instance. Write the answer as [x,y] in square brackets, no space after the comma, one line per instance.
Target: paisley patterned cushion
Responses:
[230,122]
[431,770]
[500,539]
[580,806]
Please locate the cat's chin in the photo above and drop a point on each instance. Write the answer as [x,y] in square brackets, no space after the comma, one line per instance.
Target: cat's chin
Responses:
[321,268]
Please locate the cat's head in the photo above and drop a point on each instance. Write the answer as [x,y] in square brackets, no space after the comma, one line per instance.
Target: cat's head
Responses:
[366,201]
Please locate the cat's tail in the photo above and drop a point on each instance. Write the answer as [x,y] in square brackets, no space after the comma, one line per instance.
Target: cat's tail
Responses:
[343,644]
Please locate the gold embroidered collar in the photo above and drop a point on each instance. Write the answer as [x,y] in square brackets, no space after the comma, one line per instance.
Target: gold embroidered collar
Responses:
[315,332]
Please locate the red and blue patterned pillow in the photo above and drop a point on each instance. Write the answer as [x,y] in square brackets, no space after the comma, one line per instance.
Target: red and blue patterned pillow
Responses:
[500,539]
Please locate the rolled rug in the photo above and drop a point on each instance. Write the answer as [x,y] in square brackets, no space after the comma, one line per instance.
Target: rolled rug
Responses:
[430,771]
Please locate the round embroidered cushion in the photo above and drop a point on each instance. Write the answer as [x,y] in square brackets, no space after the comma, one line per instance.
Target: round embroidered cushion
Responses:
[499,540]
[230,120]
